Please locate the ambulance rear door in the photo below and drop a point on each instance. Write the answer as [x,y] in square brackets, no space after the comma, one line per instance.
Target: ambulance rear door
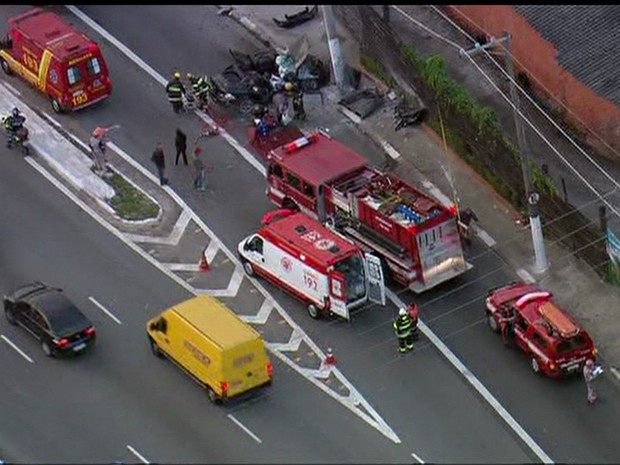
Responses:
[338,295]
[375,284]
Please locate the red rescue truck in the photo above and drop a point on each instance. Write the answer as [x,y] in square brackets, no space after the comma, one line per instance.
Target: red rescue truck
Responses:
[60,61]
[325,270]
[416,237]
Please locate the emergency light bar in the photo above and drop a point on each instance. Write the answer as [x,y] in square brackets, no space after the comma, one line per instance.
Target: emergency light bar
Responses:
[299,143]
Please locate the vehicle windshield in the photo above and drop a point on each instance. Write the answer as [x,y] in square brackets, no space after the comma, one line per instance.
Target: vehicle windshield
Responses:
[571,344]
[355,278]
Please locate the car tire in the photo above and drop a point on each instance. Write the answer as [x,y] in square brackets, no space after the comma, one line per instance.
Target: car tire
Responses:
[155,348]
[47,350]
[534,364]
[56,106]
[313,311]
[10,316]
[492,322]
[213,397]
[248,268]
[5,66]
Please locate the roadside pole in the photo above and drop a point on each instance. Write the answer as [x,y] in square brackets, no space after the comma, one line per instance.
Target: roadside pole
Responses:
[541,265]
[334,45]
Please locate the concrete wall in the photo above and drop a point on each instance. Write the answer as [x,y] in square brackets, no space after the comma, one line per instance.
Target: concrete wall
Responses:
[537,58]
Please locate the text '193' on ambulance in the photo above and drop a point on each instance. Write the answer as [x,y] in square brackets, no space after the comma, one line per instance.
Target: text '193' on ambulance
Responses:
[322,268]
[57,59]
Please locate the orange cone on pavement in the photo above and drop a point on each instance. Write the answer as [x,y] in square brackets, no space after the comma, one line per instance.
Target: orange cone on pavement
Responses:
[330,359]
[203,264]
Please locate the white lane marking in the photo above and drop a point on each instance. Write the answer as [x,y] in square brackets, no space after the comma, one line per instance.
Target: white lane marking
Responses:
[12,89]
[104,310]
[485,237]
[17,349]
[349,114]
[211,251]
[415,456]
[389,149]
[292,345]
[525,276]
[181,266]
[471,378]
[244,428]
[263,313]
[615,372]
[137,454]
[173,238]
[435,192]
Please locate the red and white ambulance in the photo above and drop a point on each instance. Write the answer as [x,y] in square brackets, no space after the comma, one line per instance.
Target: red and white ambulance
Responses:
[319,266]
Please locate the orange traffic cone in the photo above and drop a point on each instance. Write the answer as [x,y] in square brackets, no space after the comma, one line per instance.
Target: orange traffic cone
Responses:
[329,358]
[203,264]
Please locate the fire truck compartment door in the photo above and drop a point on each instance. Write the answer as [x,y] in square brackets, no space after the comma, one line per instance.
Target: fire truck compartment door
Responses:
[338,295]
[375,284]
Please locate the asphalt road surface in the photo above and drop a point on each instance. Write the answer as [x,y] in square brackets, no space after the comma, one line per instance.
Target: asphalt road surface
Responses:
[133,399]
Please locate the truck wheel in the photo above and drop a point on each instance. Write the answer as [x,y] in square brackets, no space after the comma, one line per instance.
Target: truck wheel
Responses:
[213,397]
[492,322]
[313,311]
[535,366]
[56,105]
[5,66]
[248,268]
[155,348]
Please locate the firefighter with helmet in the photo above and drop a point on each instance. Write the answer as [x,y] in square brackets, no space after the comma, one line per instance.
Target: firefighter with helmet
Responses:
[13,123]
[292,90]
[175,91]
[403,327]
[200,89]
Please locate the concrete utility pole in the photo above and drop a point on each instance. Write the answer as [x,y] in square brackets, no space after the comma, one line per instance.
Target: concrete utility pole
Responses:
[334,45]
[541,263]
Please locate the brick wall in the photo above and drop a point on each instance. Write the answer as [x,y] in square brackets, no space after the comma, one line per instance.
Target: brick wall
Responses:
[532,52]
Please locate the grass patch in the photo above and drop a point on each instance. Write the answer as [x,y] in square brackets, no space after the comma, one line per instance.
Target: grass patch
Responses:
[130,203]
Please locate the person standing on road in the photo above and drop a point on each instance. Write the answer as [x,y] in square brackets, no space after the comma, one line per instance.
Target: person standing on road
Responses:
[403,327]
[199,170]
[160,163]
[175,91]
[589,376]
[97,145]
[180,143]
[507,325]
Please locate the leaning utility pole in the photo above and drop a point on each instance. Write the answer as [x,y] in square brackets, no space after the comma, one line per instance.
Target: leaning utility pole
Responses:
[334,45]
[532,196]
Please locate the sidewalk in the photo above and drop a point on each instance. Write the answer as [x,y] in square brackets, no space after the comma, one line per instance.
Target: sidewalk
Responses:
[420,159]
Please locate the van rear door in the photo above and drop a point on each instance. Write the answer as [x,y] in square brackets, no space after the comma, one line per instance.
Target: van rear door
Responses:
[375,284]
[88,80]
[246,366]
[338,294]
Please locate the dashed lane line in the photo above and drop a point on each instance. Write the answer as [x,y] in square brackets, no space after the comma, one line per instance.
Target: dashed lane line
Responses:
[137,454]
[471,378]
[104,310]
[17,349]
[244,428]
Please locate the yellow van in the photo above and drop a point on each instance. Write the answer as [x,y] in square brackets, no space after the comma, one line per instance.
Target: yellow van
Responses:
[213,345]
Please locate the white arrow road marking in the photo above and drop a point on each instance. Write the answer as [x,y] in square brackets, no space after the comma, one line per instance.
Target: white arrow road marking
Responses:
[233,285]
[244,428]
[172,239]
[17,349]
[137,454]
[104,310]
[482,390]
[263,314]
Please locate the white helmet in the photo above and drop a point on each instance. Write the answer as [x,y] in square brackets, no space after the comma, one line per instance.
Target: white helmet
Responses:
[402,312]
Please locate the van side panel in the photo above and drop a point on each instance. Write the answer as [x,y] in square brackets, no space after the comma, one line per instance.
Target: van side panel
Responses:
[245,367]
[296,273]
[193,351]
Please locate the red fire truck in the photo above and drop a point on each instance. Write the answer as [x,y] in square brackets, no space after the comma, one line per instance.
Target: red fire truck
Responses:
[416,237]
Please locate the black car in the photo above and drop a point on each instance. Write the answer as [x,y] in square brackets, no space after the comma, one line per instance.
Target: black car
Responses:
[51,317]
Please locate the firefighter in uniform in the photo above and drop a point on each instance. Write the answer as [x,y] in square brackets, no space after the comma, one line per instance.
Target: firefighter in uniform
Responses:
[403,327]
[175,91]
[200,88]
[292,90]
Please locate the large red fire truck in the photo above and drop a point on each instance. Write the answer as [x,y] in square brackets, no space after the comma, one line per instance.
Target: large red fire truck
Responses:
[416,237]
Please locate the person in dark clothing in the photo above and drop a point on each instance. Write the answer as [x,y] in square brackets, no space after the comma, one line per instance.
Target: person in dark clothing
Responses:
[293,91]
[160,163]
[175,91]
[403,327]
[180,143]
